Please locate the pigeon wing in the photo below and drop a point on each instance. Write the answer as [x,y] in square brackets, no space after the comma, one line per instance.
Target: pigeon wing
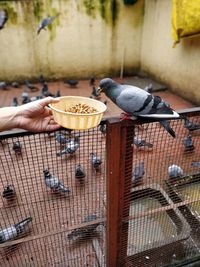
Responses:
[134,100]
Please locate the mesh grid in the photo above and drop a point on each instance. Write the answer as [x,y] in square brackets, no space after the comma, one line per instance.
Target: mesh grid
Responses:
[163,222]
[159,219]
[55,215]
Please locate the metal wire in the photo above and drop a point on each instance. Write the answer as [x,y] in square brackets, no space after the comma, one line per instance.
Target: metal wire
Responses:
[55,215]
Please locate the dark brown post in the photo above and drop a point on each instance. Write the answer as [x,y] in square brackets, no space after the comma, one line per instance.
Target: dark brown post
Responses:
[119,170]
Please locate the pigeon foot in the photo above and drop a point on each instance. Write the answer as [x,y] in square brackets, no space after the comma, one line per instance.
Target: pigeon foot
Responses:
[125,116]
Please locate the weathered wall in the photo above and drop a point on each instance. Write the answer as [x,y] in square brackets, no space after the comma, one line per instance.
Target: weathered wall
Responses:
[88,38]
[178,67]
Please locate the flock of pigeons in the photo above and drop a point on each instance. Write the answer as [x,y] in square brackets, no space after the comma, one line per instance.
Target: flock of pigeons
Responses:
[69,145]
[134,102]
[4,16]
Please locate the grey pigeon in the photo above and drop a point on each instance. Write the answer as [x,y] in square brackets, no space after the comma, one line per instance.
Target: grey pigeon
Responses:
[15,84]
[138,172]
[139,142]
[96,161]
[102,128]
[45,90]
[92,81]
[175,171]
[70,147]
[53,182]
[196,164]
[31,86]
[190,125]
[85,231]
[34,98]
[17,147]
[149,88]
[58,94]
[25,98]
[14,231]
[188,143]
[80,173]
[3,85]
[135,101]
[45,22]
[71,82]
[14,102]
[3,18]
[61,139]
[9,192]
[41,79]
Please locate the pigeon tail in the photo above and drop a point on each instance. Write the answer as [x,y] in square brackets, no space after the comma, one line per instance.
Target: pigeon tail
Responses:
[21,225]
[167,127]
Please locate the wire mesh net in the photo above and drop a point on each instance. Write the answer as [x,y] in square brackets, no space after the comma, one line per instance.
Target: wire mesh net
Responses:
[164,200]
[53,196]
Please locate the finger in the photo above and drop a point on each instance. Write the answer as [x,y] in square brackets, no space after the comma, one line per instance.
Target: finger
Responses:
[45,101]
[52,127]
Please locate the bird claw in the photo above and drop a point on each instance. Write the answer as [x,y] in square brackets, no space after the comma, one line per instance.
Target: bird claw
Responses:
[125,116]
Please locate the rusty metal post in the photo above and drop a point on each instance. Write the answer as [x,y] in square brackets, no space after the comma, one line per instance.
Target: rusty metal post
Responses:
[119,171]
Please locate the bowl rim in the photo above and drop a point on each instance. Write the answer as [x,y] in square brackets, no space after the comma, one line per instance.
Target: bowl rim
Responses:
[79,114]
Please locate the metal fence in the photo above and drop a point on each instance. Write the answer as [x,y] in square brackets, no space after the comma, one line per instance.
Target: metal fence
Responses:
[124,195]
[154,194]
[51,180]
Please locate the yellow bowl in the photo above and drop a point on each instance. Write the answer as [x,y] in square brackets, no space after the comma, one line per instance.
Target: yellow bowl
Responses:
[77,121]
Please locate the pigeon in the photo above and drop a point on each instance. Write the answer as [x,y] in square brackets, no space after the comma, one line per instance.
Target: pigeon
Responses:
[190,125]
[53,182]
[135,101]
[84,231]
[149,88]
[14,102]
[188,143]
[17,147]
[175,171]
[96,161]
[92,81]
[79,173]
[3,18]
[25,98]
[102,128]
[15,84]
[196,164]
[34,98]
[60,138]
[31,86]
[45,90]
[9,192]
[14,231]
[58,94]
[3,85]
[42,79]
[71,82]
[95,93]
[138,173]
[45,22]
[71,147]
[141,142]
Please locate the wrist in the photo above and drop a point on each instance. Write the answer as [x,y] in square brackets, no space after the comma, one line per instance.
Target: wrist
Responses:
[9,118]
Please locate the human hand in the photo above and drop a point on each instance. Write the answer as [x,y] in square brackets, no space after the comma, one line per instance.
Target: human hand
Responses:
[37,116]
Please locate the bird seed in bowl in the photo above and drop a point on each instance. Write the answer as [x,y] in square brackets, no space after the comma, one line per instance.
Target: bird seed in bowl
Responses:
[81,109]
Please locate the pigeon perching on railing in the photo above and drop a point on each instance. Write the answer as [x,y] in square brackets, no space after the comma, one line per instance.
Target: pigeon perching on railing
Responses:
[137,102]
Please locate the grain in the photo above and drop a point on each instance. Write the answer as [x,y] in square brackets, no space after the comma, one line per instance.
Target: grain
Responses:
[81,109]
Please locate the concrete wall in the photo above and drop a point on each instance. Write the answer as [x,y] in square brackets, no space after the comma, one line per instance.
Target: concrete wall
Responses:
[90,37]
[178,67]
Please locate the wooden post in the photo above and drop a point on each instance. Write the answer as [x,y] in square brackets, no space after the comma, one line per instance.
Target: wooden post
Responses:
[119,171]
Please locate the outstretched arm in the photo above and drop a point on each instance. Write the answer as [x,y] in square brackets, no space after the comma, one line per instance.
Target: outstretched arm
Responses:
[35,116]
